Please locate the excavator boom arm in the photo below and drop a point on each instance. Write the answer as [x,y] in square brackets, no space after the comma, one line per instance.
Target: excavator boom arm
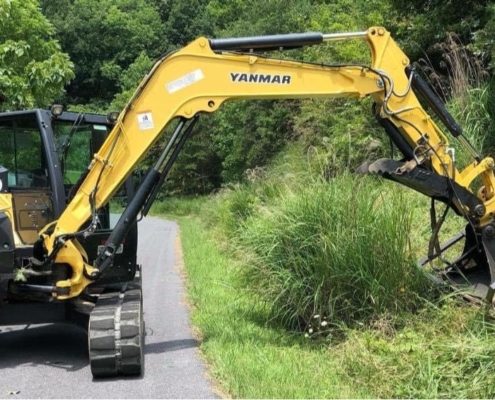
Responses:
[204,74]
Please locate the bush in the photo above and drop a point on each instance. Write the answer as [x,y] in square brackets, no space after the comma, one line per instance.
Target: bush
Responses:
[338,250]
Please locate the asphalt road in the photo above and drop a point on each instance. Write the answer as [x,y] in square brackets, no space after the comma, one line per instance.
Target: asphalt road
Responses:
[50,361]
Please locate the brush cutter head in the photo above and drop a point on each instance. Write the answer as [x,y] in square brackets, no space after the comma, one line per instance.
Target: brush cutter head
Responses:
[472,273]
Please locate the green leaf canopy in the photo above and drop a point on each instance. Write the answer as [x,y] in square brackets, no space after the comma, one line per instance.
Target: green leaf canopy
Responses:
[33,69]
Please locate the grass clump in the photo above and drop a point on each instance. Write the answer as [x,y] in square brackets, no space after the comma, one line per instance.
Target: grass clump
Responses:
[472,112]
[238,205]
[338,249]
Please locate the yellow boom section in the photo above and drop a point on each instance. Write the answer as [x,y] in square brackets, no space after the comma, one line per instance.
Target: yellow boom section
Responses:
[197,79]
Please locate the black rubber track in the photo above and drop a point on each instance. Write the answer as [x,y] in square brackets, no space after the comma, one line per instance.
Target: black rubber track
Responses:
[116,333]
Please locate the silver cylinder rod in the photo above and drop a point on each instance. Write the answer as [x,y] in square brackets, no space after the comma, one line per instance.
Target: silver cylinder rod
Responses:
[470,148]
[332,37]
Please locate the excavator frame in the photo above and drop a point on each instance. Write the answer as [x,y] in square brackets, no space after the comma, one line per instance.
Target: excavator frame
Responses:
[199,78]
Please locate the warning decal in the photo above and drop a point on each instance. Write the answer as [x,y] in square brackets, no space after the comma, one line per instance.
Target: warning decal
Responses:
[185,81]
[145,121]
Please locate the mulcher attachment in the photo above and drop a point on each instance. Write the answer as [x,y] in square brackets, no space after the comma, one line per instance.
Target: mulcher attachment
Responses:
[473,272]
[116,333]
[423,180]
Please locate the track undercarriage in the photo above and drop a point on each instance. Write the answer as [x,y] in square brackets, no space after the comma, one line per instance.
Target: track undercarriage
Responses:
[116,332]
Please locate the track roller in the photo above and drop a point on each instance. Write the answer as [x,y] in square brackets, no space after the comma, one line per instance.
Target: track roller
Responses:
[116,333]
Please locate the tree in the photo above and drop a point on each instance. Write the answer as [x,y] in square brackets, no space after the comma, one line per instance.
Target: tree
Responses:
[130,79]
[244,18]
[184,21]
[33,69]
[423,24]
[103,38]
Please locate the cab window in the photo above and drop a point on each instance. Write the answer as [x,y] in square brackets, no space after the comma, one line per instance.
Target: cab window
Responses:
[21,152]
[75,147]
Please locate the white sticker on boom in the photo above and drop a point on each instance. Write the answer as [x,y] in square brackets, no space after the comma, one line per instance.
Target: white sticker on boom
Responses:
[185,81]
[145,121]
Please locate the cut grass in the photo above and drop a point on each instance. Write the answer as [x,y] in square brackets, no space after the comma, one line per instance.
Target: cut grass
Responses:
[443,353]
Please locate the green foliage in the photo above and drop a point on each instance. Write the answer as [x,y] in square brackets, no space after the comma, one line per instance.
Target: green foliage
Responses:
[484,42]
[236,207]
[248,358]
[198,168]
[341,133]
[422,24]
[103,38]
[330,249]
[243,18]
[33,69]
[185,21]
[441,353]
[249,133]
[346,16]
[130,79]
[178,206]
[472,111]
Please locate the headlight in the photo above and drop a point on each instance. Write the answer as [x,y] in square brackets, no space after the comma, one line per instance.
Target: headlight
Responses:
[57,110]
[112,117]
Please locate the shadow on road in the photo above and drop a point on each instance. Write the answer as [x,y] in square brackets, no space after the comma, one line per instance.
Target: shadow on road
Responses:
[171,345]
[155,348]
[61,346]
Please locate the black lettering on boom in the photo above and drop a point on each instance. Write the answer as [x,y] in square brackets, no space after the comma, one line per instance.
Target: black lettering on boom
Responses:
[238,77]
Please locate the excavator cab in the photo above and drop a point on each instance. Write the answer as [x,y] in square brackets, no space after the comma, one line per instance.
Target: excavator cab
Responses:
[43,156]
[29,177]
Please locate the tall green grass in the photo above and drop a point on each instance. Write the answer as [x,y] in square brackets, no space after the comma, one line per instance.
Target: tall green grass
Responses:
[444,351]
[315,254]
[472,112]
[336,249]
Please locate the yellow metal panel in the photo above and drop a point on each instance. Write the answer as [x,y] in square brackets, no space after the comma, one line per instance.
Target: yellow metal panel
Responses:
[6,207]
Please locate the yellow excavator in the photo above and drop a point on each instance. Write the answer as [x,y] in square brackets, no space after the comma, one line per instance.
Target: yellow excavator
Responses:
[76,259]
